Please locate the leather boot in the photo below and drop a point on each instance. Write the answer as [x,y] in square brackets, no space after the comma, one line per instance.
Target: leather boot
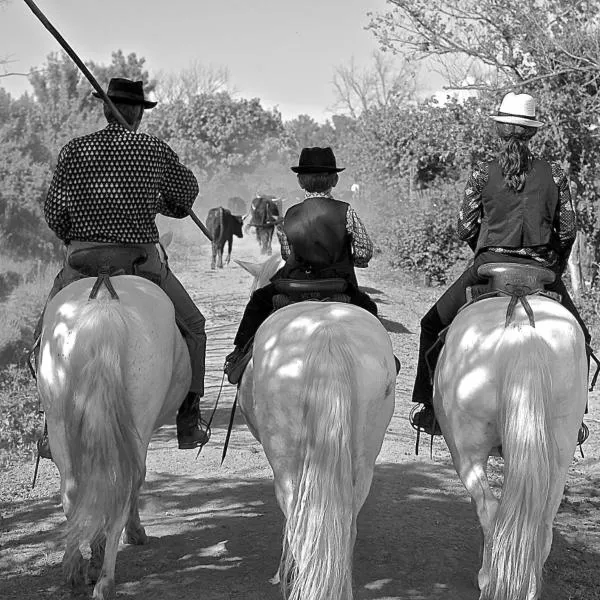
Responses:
[189,433]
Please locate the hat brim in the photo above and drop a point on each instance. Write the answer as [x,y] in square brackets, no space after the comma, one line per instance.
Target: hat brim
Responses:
[145,103]
[317,169]
[516,121]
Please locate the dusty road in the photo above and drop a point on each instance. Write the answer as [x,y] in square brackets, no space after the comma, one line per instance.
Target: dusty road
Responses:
[216,530]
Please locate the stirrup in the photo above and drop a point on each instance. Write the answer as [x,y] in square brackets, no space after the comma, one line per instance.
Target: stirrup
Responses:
[433,429]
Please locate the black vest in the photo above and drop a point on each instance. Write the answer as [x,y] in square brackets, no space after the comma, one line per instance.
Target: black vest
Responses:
[519,219]
[319,243]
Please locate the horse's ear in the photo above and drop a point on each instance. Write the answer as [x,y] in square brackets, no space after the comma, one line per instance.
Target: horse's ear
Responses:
[253,268]
[166,239]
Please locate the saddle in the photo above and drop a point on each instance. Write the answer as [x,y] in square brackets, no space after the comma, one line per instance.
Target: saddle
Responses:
[113,260]
[512,279]
[290,291]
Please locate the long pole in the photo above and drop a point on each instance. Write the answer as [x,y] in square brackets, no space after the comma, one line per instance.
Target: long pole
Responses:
[61,40]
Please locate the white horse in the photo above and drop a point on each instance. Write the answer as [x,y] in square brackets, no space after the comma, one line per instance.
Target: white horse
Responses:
[110,372]
[318,395]
[521,390]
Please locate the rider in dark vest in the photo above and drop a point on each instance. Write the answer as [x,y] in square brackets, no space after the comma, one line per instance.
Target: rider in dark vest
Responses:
[320,238]
[516,208]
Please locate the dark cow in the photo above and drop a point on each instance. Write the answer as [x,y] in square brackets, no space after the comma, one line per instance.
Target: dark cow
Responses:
[236,205]
[264,215]
[222,226]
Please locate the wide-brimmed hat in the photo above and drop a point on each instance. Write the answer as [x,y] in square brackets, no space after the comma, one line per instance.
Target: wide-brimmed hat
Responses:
[517,109]
[316,160]
[127,92]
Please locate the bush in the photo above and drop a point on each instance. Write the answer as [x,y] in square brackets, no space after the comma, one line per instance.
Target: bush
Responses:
[425,241]
[20,422]
[20,310]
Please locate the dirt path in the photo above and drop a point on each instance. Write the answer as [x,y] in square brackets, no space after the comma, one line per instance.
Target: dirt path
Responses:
[215,530]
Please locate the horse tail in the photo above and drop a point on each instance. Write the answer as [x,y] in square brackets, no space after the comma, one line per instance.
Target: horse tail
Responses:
[102,440]
[519,532]
[317,551]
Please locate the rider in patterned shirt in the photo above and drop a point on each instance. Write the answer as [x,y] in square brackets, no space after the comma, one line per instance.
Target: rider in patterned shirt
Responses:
[516,208]
[106,190]
[320,238]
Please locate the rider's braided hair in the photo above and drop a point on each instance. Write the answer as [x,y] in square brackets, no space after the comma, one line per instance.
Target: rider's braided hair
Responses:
[515,158]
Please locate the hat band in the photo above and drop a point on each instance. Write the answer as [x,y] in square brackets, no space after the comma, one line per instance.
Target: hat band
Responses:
[506,114]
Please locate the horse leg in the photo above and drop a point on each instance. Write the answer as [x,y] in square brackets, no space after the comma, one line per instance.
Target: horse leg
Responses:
[74,564]
[214,257]
[220,257]
[134,533]
[284,491]
[471,468]
[105,585]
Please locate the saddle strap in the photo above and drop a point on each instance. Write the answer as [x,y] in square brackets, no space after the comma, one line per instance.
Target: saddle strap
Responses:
[103,278]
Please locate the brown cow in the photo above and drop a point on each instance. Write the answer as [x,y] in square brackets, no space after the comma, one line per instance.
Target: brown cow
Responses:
[264,215]
[222,226]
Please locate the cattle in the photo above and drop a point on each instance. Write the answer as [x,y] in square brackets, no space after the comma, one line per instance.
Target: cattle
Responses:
[236,205]
[264,215]
[222,226]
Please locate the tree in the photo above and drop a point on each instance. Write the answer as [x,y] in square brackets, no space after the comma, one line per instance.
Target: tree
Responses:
[306,132]
[64,96]
[196,79]
[525,42]
[378,86]
[212,132]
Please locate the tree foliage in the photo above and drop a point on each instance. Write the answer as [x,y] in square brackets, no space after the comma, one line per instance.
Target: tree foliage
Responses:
[212,132]
[387,82]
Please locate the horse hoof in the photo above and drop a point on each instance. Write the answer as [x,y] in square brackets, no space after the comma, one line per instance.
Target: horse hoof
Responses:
[135,537]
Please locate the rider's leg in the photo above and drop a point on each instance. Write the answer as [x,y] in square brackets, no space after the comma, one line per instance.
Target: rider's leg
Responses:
[259,307]
[189,433]
[436,319]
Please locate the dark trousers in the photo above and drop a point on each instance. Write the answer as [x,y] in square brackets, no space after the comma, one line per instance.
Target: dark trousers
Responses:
[260,306]
[189,317]
[446,308]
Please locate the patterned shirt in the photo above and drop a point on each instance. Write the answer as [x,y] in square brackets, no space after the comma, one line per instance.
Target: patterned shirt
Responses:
[110,185]
[471,210]
[361,244]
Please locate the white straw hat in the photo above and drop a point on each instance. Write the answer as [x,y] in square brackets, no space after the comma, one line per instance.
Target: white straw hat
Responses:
[517,109]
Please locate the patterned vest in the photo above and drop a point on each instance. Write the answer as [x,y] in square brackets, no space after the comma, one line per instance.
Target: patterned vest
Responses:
[319,242]
[519,219]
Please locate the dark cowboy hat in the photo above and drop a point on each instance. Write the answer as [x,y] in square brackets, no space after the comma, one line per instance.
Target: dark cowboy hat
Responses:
[127,92]
[316,160]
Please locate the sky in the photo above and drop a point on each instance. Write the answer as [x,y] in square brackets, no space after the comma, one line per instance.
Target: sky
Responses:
[281,51]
